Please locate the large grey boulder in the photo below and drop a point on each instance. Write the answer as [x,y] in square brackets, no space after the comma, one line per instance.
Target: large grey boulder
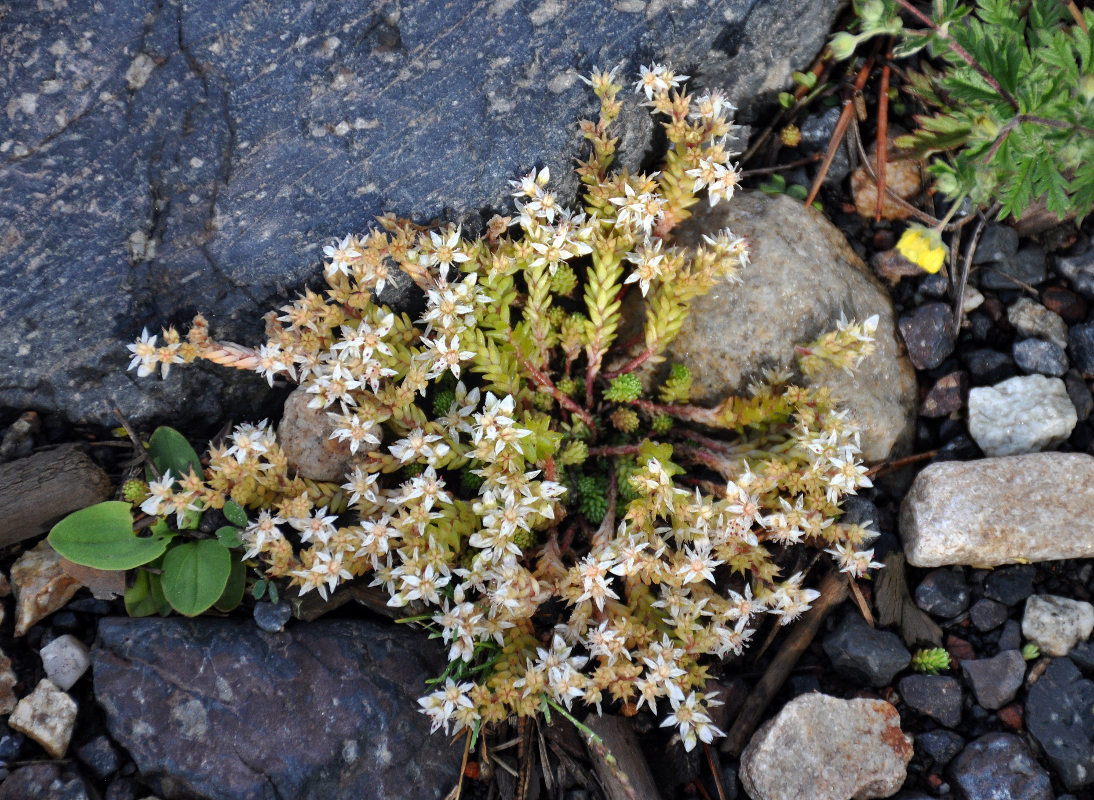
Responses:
[161,158]
[224,711]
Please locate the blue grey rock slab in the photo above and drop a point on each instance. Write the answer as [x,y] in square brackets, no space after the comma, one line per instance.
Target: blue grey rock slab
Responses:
[1011,585]
[997,243]
[998,766]
[225,711]
[1027,266]
[161,158]
[1058,714]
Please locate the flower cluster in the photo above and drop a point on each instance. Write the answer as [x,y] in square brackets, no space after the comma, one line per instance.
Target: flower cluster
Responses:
[517,496]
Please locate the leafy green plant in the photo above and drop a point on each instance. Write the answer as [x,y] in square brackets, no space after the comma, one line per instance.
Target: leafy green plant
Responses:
[513,481]
[1011,109]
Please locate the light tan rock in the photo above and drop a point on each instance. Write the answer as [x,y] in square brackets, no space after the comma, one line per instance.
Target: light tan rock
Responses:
[903,177]
[41,586]
[802,277]
[825,748]
[1007,510]
[7,685]
[47,715]
[1056,624]
[304,436]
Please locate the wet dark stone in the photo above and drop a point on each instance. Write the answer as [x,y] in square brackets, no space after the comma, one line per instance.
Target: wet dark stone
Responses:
[168,168]
[939,745]
[1080,346]
[11,744]
[988,367]
[1079,393]
[1058,714]
[347,689]
[1027,266]
[817,130]
[1039,356]
[122,789]
[1078,268]
[960,448]
[999,765]
[987,615]
[936,286]
[980,325]
[44,782]
[1083,656]
[946,396]
[271,617]
[1010,585]
[100,756]
[863,653]
[928,334]
[936,696]
[1070,306]
[998,242]
[943,592]
[996,680]
[1010,638]
[91,605]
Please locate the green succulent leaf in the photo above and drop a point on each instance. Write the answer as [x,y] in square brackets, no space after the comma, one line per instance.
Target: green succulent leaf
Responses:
[102,536]
[195,574]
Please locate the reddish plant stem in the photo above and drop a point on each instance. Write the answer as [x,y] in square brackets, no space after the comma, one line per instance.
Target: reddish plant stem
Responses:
[882,149]
[630,366]
[613,450]
[703,416]
[541,378]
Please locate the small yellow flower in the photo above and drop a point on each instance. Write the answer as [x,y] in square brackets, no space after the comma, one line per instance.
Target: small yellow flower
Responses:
[923,247]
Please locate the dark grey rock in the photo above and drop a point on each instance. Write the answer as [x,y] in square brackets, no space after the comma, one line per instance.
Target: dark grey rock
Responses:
[935,285]
[44,782]
[1080,346]
[939,745]
[1026,266]
[1010,638]
[271,617]
[1079,393]
[1037,355]
[987,367]
[122,789]
[864,653]
[1083,656]
[1010,585]
[999,766]
[325,710]
[11,744]
[817,130]
[100,756]
[946,396]
[164,158]
[1058,714]
[943,592]
[936,696]
[996,680]
[997,243]
[928,334]
[987,615]
[1079,269]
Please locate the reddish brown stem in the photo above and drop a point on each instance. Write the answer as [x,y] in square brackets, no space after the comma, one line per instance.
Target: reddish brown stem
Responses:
[613,450]
[882,149]
[541,378]
[630,366]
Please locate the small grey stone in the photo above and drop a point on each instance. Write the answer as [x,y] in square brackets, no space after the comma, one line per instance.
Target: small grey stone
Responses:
[1080,346]
[1011,585]
[1025,414]
[936,696]
[987,366]
[1033,320]
[64,660]
[861,652]
[816,133]
[1010,638]
[939,745]
[1027,266]
[998,242]
[1056,624]
[1083,656]
[100,755]
[946,396]
[943,592]
[1058,714]
[928,334]
[1079,393]
[1079,269]
[1041,357]
[987,615]
[44,782]
[271,617]
[998,766]
[995,681]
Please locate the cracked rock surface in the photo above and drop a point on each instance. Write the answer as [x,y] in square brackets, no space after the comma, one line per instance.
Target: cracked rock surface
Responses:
[225,711]
[161,158]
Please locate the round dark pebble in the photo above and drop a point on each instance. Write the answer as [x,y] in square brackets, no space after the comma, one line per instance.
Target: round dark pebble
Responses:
[939,745]
[987,615]
[946,396]
[1079,393]
[943,592]
[1070,306]
[1058,715]
[1010,585]
[1010,638]
[863,653]
[999,765]
[987,367]
[936,696]
[100,756]
[936,285]
[1026,266]
[980,325]
[1039,356]
[996,680]
[1080,344]
[997,243]
[928,334]
[271,617]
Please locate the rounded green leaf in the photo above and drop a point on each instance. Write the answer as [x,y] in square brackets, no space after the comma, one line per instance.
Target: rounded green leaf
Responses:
[169,450]
[232,595]
[101,536]
[229,536]
[145,597]
[235,514]
[195,574]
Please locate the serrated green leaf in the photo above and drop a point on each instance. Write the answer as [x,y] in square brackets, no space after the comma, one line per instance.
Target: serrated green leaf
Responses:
[102,536]
[195,574]
[169,450]
[235,514]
